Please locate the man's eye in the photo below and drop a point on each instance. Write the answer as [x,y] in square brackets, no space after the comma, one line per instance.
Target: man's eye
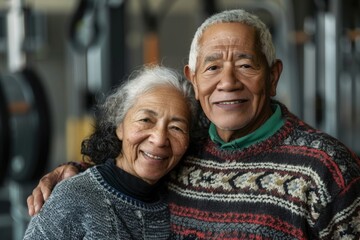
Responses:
[245,66]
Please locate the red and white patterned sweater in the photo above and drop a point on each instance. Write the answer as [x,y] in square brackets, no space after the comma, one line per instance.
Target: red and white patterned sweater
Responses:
[298,184]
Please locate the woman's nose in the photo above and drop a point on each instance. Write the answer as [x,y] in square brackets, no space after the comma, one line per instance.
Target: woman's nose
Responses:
[159,137]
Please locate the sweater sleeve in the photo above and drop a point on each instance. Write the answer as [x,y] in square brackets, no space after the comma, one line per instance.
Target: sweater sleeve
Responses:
[341,218]
[59,216]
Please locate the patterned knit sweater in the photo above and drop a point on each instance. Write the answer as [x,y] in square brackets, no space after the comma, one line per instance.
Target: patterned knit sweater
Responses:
[86,207]
[298,184]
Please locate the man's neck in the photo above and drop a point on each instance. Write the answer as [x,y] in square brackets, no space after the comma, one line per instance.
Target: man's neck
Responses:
[230,135]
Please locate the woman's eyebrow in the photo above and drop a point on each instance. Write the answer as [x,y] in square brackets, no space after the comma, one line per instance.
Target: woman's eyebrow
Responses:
[180,119]
[155,114]
[148,111]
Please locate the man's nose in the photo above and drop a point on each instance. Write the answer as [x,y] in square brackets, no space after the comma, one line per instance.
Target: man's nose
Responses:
[229,80]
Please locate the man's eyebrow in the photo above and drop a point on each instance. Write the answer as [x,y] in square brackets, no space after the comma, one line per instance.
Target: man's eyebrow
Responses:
[212,57]
[243,55]
[216,56]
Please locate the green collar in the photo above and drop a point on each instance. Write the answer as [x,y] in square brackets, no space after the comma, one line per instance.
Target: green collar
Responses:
[274,123]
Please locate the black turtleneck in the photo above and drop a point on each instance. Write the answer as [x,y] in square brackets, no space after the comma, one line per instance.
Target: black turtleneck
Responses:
[129,184]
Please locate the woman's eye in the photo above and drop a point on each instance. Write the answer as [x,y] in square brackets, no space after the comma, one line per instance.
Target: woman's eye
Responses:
[212,68]
[145,120]
[178,129]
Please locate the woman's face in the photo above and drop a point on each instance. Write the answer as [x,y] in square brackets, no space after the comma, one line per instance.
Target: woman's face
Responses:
[154,134]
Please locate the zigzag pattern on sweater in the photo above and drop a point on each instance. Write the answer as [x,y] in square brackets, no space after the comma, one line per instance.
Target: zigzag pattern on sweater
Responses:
[285,185]
[298,184]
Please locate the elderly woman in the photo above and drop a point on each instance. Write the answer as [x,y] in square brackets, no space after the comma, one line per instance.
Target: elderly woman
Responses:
[142,132]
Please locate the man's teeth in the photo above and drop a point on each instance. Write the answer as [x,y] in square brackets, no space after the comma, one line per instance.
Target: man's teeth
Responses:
[152,156]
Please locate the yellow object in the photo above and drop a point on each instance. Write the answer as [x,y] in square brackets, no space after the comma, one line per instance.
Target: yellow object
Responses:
[77,129]
[151,48]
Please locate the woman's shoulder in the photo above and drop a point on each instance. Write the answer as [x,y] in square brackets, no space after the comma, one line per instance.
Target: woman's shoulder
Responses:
[78,185]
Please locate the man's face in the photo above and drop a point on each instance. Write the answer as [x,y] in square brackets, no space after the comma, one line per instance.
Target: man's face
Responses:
[233,81]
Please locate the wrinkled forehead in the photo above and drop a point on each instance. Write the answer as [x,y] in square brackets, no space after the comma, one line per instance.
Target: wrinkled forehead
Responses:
[225,42]
[228,33]
[224,36]
[223,45]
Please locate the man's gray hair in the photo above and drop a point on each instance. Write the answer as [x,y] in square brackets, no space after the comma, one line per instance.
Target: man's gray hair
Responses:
[234,16]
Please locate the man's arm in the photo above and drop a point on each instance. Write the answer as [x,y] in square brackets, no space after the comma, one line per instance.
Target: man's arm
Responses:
[46,184]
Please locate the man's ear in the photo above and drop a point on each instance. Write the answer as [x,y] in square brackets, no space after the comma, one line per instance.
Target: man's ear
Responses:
[275,73]
[190,76]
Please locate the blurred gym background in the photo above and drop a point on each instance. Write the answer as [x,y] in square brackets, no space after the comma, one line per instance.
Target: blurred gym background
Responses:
[57,58]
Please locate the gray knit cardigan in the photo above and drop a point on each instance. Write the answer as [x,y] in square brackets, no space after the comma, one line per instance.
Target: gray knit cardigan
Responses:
[86,207]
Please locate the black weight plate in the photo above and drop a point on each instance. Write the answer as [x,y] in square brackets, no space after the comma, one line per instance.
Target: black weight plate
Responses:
[4,136]
[30,124]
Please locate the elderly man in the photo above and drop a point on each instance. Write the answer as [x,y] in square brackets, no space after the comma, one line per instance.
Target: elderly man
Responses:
[260,172]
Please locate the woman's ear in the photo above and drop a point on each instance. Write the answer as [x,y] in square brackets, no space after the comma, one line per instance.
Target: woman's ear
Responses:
[120,132]
[190,76]
[275,73]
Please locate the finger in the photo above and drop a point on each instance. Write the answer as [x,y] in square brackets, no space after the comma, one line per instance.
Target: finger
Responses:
[46,187]
[38,199]
[30,205]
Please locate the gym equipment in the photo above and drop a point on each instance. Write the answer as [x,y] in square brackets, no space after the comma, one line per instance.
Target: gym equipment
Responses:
[29,124]
[25,127]
[88,25]
[4,136]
